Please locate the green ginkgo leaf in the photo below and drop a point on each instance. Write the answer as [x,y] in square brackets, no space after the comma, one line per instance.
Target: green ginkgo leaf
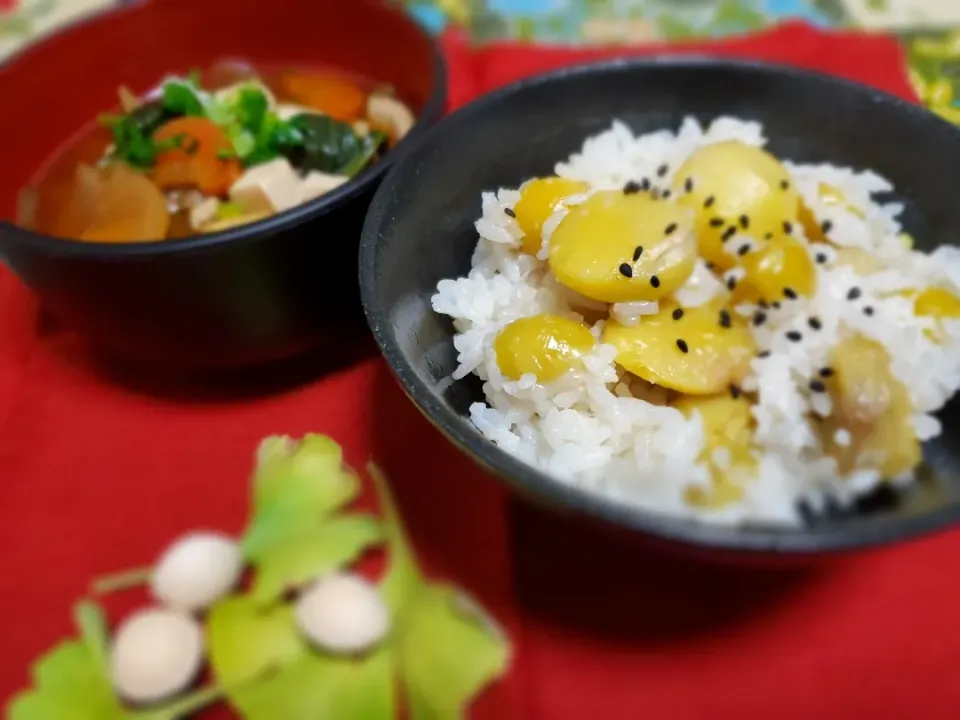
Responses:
[293,562]
[246,642]
[69,684]
[402,578]
[448,650]
[91,621]
[295,486]
[71,681]
[295,680]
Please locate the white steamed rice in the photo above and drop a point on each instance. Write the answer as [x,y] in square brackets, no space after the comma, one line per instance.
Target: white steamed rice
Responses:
[604,430]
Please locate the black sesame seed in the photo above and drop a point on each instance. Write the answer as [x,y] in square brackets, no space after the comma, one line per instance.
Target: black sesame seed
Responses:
[815,323]
[759,318]
[763,354]
[817,386]
[787,227]
[764,304]
[826,226]
[663,170]
[688,185]
[717,222]
[735,392]
[776,305]
[731,282]
[637,252]
[728,233]
[677,314]
[645,184]
[784,184]
[821,258]
[509,212]
[853,293]
[626,270]
[825,372]
[709,201]
[743,249]
[670,229]
[768,236]
[794,336]
[744,222]
[790,293]
[682,344]
[725,320]
[631,188]
[655,281]
[666,194]
[708,265]
[868,310]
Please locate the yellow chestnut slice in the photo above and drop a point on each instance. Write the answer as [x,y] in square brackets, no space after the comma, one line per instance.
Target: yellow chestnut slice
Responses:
[781,268]
[727,427]
[539,199]
[735,188]
[871,407]
[623,247]
[830,196]
[698,351]
[545,345]
[937,303]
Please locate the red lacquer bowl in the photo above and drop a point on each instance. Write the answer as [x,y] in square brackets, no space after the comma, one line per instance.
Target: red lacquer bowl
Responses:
[249,295]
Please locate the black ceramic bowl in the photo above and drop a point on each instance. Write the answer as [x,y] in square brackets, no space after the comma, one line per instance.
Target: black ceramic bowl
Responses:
[249,295]
[420,230]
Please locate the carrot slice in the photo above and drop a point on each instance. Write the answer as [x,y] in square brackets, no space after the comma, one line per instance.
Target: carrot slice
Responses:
[127,207]
[332,95]
[197,162]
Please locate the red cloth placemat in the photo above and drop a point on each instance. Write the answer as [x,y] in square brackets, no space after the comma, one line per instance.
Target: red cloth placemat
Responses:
[98,476]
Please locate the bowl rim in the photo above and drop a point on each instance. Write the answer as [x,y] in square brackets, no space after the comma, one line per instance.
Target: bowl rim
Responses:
[532,482]
[365,181]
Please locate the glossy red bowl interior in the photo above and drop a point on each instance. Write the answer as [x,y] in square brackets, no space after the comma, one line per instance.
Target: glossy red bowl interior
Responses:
[61,83]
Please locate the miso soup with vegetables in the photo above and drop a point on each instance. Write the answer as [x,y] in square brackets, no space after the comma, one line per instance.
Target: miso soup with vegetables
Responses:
[212,151]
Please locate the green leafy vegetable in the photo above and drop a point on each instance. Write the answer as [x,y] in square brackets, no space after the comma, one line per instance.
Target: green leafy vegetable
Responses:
[179,99]
[227,210]
[256,134]
[132,141]
[331,146]
[448,650]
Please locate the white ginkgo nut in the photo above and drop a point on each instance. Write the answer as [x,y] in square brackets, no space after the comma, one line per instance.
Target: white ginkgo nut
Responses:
[156,654]
[196,571]
[343,614]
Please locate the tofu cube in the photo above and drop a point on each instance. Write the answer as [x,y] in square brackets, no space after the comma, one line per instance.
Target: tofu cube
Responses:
[204,212]
[317,183]
[268,188]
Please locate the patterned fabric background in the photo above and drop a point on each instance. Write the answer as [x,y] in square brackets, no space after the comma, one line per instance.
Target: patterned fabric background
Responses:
[930,29]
